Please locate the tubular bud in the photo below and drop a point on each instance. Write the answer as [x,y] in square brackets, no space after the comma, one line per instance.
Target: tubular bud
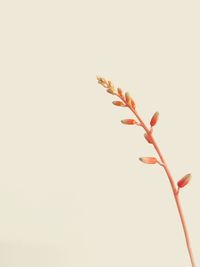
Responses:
[128,121]
[148,160]
[118,103]
[110,91]
[128,98]
[148,138]
[184,181]
[133,104]
[154,119]
[110,85]
[102,81]
[120,92]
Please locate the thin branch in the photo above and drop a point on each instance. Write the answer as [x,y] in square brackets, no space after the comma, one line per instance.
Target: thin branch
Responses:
[128,102]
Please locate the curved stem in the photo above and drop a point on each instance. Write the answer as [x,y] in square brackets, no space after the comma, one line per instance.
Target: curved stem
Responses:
[131,105]
[173,186]
[175,190]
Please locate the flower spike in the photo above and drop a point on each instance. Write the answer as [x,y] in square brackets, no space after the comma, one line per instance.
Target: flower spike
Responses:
[126,100]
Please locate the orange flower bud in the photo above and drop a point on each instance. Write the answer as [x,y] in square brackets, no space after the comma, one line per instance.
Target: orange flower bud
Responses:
[148,160]
[148,138]
[128,121]
[118,103]
[128,98]
[133,104]
[120,92]
[102,81]
[110,85]
[185,180]
[111,91]
[154,119]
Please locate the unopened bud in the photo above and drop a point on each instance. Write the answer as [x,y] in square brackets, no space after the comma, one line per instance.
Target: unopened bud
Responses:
[148,138]
[128,98]
[133,104]
[110,85]
[111,91]
[154,119]
[102,81]
[120,92]
[185,180]
[128,121]
[118,103]
[148,160]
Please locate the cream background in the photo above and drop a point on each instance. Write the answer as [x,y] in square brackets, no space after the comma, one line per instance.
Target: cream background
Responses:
[72,191]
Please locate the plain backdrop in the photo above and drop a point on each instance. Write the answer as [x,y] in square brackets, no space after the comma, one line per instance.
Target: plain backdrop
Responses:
[72,190]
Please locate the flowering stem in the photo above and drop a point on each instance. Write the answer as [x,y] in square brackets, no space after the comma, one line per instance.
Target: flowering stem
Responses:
[173,186]
[127,101]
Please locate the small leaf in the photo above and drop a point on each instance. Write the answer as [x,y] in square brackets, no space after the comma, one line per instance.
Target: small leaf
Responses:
[148,160]
[154,119]
[185,180]
[128,121]
[119,103]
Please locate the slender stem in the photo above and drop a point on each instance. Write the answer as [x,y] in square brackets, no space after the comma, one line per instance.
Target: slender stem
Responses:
[175,190]
[163,163]
[173,186]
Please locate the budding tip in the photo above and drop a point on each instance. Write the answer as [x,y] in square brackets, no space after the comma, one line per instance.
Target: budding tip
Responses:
[99,78]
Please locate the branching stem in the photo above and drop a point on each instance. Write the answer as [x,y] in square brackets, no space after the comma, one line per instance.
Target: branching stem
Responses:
[128,102]
[175,190]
